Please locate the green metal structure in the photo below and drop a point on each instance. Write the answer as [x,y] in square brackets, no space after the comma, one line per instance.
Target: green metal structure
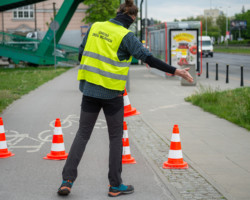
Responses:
[42,51]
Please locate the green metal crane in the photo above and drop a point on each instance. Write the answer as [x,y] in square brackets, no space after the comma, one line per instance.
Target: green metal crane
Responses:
[43,55]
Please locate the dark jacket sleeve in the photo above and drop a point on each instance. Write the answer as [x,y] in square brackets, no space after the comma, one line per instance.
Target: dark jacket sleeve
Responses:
[135,48]
[82,46]
[158,64]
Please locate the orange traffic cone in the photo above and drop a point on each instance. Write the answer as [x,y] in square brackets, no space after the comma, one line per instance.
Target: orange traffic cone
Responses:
[4,153]
[175,159]
[128,110]
[57,148]
[126,155]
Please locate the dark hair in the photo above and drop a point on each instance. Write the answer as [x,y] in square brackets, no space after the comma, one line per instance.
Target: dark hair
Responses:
[128,8]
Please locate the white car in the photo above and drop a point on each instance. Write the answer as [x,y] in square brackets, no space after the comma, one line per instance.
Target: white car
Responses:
[207,46]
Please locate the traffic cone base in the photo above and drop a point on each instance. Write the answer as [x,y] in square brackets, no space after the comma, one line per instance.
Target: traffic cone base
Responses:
[176,165]
[128,159]
[56,156]
[131,112]
[4,153]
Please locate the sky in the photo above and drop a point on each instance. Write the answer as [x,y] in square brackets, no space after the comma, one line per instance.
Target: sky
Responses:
[168,10]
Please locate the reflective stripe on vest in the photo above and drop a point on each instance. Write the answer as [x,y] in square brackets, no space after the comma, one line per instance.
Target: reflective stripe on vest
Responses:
[104,59]
[103,73]
[100,64]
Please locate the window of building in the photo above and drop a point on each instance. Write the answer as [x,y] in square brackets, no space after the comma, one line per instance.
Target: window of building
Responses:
[25,12]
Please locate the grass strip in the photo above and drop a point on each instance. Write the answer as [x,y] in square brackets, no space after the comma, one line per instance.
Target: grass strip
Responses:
[19,81]
[236,50]
[232,105]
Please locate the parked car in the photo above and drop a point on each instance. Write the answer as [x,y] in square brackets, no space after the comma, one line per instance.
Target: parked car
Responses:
[207,48]
[32,35]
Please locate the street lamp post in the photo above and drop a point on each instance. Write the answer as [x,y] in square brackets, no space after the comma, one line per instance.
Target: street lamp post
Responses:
[226,20]
[206,24]
[141,19]
[227,23]
[226,37]
[146,14]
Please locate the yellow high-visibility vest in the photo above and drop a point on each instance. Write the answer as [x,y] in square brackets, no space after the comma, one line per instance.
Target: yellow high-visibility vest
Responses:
[100,64]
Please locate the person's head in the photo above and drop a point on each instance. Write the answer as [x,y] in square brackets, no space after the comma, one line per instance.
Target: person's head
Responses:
[129,8]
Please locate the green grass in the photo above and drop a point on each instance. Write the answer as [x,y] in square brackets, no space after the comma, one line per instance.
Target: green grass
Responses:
[239,50]
[232,105]
[16,82]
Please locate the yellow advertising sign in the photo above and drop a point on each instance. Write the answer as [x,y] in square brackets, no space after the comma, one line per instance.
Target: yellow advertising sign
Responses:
[182,52]
[184,37]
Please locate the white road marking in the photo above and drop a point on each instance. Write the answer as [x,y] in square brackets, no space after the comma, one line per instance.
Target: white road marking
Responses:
[168,106]
[14,138]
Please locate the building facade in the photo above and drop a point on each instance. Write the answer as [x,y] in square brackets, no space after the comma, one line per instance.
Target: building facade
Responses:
[213,13]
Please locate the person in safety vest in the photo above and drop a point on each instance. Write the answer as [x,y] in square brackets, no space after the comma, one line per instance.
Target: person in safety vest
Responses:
[105,56]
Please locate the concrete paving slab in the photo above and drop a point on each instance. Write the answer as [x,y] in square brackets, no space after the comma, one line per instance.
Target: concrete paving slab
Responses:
[207,140]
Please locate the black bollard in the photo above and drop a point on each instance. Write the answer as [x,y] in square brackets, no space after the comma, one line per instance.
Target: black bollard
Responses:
[207,75]
[241,77]
[227,78]
[216,77]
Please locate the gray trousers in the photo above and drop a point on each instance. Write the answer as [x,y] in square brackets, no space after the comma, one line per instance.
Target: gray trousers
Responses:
[113,110]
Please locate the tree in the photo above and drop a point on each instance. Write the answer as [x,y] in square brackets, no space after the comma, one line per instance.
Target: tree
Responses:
[100,10]
[243,17]
[243,10]
[207,25]
[221,23]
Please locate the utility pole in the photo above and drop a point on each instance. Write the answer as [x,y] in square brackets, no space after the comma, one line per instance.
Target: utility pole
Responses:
[227,23]
[35,17]
[146,14]
[136,21]
[206,24]
[146,19]
[54,26]
[54,9]
[3,27]
[2,21]
[141,19]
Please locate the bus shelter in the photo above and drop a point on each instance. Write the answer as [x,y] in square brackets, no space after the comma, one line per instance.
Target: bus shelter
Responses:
[176,43]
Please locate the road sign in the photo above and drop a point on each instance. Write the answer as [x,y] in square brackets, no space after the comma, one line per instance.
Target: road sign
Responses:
[54,26]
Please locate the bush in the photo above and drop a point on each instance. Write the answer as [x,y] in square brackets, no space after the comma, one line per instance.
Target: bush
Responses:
[242,42]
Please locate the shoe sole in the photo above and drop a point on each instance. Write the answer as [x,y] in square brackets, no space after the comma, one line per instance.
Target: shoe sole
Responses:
[63,192]
[115,194]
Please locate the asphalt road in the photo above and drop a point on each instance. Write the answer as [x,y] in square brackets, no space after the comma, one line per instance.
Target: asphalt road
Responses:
[234,61]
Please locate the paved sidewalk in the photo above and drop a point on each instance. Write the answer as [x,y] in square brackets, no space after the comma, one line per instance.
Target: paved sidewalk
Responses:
[29,124]
[214,147]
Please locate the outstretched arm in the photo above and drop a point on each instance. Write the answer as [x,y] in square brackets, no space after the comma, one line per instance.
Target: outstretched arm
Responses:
[136,49]
[159,64]
[184,74]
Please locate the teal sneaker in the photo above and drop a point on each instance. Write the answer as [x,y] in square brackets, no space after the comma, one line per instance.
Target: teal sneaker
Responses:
[65,188]
[121,189]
